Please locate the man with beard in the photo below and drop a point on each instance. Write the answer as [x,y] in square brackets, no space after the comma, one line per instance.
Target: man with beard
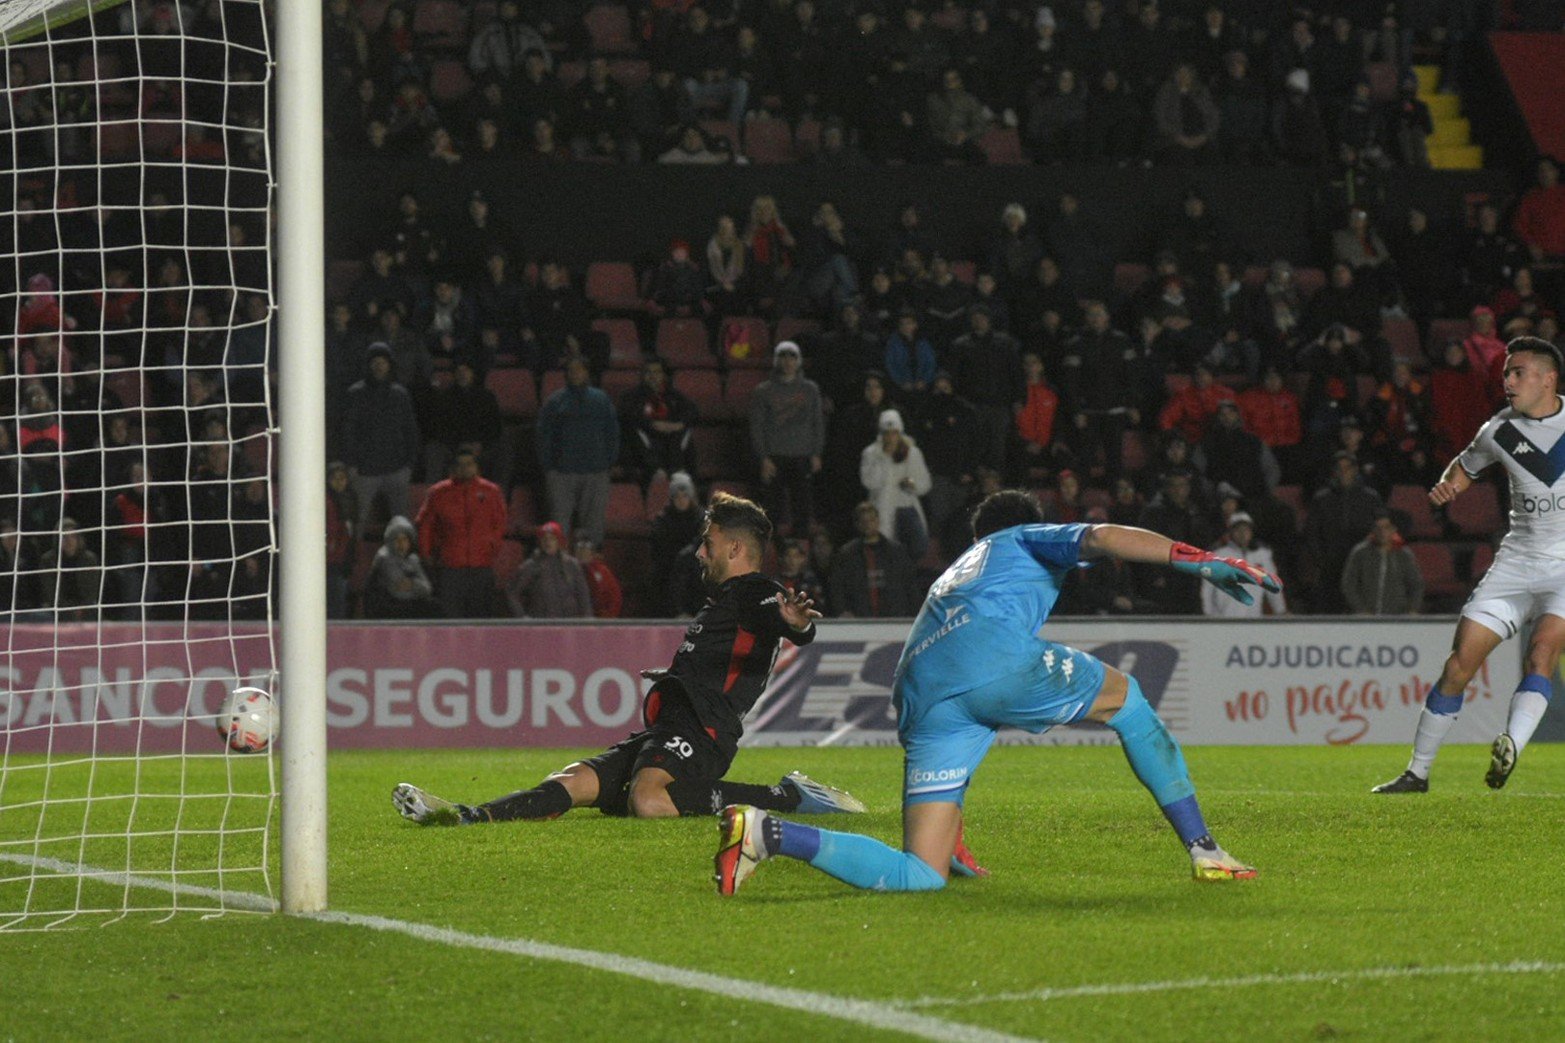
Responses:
[694,712]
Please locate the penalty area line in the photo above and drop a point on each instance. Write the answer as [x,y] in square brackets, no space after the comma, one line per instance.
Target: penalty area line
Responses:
[1134,988]
[886,1015]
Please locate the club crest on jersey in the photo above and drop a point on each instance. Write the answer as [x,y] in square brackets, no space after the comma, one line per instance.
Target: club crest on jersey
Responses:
[1545,465]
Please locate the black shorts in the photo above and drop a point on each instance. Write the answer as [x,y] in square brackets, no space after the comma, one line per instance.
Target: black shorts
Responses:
[676,743]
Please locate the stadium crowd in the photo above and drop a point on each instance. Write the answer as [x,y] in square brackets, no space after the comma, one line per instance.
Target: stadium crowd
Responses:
[509,436]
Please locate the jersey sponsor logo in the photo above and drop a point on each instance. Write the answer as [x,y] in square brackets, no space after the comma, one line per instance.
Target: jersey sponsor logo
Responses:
[1545,465]
[923,645]
[1540,504]
[921,778]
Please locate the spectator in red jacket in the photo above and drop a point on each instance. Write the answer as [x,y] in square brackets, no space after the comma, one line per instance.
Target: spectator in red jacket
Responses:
[460,527]
[1035,421]
[1486,352]
[1540,218]
[342,517]
[1193,406]
[1272,413]
[1459,396]
[608,600]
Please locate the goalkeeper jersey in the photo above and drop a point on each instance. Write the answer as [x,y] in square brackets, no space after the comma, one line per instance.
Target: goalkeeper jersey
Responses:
[982,618]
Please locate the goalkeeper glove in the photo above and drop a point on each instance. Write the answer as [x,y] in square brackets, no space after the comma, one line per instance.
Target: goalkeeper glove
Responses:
[1226,574]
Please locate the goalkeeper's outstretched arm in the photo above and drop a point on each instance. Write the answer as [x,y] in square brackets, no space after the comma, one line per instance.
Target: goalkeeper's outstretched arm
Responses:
[1230,575]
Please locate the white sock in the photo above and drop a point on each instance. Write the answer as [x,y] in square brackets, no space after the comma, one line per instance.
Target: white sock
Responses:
[1432,730]
[1527,709]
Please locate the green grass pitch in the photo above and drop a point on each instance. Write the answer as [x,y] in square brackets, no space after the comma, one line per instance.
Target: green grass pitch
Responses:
[1089,896]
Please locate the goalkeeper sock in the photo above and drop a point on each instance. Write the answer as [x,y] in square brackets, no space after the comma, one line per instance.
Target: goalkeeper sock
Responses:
[1155,757]
[705,797]
[1434,723]
[1527,708]
[861,861]
[549,799]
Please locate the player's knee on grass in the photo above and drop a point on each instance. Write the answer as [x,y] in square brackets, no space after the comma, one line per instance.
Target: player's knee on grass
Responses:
[649,797]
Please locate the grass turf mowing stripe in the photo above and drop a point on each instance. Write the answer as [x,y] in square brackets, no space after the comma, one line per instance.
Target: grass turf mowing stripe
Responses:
[879,1015]
[1131,988]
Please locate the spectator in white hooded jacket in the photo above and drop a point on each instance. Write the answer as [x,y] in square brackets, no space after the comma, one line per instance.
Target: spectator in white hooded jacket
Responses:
[893,473]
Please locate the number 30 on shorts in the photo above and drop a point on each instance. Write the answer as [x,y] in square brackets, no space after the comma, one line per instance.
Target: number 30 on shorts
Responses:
[679,747]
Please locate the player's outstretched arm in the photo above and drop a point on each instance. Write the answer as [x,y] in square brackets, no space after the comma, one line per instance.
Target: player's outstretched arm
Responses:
[1452,483]
[1230,575]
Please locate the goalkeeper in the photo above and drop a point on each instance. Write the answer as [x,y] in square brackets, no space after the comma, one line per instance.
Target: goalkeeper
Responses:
[976,661]
[694,712]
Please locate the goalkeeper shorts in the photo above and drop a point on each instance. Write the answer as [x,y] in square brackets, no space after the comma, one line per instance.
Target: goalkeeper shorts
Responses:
[944,741]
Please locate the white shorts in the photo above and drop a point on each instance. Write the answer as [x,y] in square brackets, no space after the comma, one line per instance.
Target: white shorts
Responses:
[1517,588]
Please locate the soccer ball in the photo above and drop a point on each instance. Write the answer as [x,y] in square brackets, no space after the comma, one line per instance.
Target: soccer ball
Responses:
[248,720]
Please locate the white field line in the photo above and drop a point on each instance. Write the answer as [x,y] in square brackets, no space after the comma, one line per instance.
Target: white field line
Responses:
[1133,988]
[1339,795]
[875,1014]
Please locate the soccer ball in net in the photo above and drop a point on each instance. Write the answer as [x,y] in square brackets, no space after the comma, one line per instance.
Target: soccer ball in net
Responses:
[248,720]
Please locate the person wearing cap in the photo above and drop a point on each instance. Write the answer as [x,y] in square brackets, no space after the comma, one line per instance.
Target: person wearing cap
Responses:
[1298,133]
[550,584]
[460,527]
[380,437]
[1339,516]
[1241,543]
[578,441]
[1382,577]
[676,527]
[895,477]
[787,435]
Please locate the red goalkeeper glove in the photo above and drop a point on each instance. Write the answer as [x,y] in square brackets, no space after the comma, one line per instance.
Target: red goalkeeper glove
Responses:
[1230,575]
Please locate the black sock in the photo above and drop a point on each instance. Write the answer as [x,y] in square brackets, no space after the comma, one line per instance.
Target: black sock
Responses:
[548,799]
[705,797]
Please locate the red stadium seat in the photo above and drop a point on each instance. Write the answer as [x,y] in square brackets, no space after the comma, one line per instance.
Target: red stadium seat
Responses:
[1402,335]
[1413,501]
[1133,451]
[630,73]
[449,81]
[569,74]
[1308,280]
[624,342]
[1477,511]
[522,517]
[966,272]
[1438,569]
[1441,331]
[790,328]
[1129,277]
[1255,275]
[611,285]
[117,140]
[745,342]
[508,558]
[768,142]
[1002,146]
[609,27]
[807,138]
[737,388]
[704,388]
[1364,389]
[440,24]
[1383,79]
[627,511]
[616,382]
[553,381]
[372,13]
[683,344]
[514,389]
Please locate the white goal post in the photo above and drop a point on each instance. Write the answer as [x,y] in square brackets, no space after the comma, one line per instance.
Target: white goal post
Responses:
[161,239]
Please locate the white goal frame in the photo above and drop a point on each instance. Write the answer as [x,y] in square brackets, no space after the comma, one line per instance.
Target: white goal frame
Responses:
[299,136]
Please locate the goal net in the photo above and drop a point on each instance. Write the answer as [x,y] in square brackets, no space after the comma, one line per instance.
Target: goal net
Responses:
[137,535]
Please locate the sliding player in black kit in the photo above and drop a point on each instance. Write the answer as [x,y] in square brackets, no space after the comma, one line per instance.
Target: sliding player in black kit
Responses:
[694,712]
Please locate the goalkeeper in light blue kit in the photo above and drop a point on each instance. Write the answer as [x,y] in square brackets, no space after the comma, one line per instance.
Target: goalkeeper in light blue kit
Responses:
[977,661]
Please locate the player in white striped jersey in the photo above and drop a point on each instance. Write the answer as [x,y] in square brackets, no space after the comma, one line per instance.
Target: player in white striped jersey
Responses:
[1526,581]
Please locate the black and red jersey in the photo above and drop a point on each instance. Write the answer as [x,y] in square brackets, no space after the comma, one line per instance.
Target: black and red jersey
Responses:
[727,655]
